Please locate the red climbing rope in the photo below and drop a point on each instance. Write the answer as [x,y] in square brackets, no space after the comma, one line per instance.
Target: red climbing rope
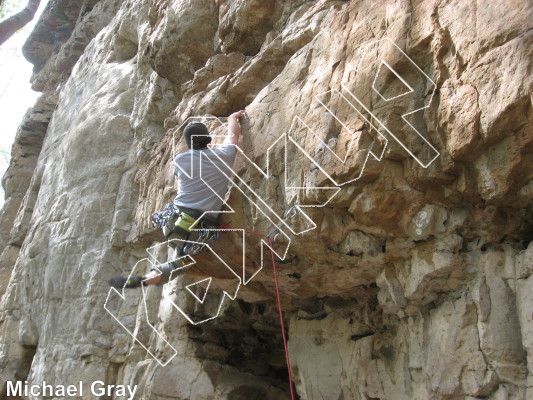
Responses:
[280,310]
[274,269]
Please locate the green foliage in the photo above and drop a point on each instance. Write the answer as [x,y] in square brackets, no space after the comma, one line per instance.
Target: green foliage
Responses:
[10,7]
[5,155]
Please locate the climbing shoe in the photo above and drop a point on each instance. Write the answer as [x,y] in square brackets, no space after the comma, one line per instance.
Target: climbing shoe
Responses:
[133,281]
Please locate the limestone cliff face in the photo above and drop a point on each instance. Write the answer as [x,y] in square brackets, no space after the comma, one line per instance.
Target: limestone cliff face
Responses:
[404,127]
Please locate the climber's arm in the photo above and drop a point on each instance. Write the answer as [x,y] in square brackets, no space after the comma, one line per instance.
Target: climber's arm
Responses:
[234,129]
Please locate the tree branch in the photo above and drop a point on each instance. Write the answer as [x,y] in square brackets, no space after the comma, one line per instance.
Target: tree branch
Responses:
[12,24]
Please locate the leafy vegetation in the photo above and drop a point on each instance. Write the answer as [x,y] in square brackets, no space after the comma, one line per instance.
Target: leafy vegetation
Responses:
[5,156]
[9,7]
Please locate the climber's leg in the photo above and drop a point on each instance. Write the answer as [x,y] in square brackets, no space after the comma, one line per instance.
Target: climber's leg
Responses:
[158,275]
[119,282]
[152,278]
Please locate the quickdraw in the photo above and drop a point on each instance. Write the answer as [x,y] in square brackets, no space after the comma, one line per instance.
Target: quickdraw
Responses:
[289,214]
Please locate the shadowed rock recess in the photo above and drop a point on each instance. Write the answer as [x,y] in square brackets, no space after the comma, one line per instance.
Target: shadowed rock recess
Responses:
[416,279]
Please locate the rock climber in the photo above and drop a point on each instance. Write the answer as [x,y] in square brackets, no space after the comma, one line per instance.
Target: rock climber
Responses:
[196,194]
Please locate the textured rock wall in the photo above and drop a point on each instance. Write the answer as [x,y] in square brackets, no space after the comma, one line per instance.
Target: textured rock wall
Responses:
[415,281]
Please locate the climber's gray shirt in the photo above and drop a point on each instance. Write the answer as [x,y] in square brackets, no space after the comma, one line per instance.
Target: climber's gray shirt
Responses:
[197,188]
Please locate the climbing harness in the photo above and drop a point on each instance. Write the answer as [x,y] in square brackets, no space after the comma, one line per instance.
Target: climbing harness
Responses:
[172,219]
[206,236]
[183,224]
